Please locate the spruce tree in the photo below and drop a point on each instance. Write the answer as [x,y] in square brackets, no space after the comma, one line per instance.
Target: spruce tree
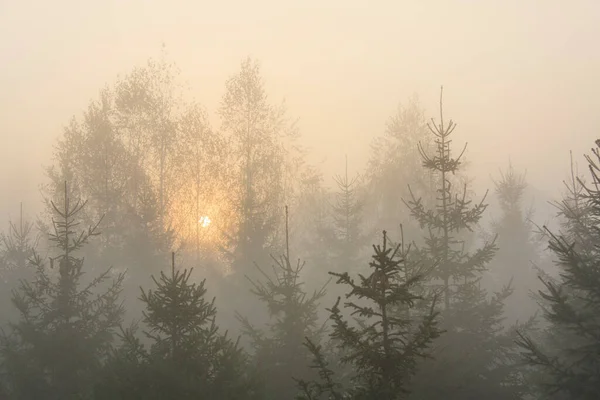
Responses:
[472,360]
[347,211]
[575,211]
[279,353]
[518,247]
[17,247]
[382,350]
[568,356]
[18,244]
[188,357]
[316,227]
[56,349]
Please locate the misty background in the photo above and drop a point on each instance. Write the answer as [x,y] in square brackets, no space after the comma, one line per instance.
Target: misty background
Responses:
[521,77]
[230,137]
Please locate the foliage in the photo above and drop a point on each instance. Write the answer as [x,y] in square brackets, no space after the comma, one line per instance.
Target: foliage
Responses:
[518,247]
[188,357]
[347,212]
[384,348]
[394,162]
[317,232]
[568,357]
[16,248]
[201,155]
[66,325]
[279,353]
[476,357]
[264,159]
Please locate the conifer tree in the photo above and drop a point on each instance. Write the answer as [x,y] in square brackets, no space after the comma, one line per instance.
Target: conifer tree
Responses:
[384,348]
[472,359]
[566,357]
[347,213]
[518,247]
[66,324]
[315,224]
[575,212]
[17,247]
[279,353]
[188,357]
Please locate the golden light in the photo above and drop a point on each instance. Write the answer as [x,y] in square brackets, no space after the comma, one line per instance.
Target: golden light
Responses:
[201,219]
[204,222]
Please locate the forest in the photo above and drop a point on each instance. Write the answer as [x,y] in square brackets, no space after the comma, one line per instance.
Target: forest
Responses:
[174,259]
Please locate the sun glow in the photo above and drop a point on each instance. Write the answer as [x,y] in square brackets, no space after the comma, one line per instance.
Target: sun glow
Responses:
[204,221]
[200,223]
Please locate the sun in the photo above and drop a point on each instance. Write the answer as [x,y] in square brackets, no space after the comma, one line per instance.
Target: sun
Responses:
[204,221]
[200,223]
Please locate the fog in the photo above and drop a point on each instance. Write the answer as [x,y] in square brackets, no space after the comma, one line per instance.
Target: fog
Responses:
[521,76]
[520,79]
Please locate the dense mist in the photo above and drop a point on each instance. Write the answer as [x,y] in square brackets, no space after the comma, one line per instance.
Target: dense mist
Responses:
[322,200]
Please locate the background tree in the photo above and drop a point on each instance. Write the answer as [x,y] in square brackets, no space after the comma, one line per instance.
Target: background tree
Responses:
[315,238]
[347,212]
[56,349]
[102,166]
[472,360]
[201,156]
[188,357]
[518,247]
[112,155]
[17,247]
[394,163]
[149,106]
[384,348]
[279,353]
[315,227]
[261,154]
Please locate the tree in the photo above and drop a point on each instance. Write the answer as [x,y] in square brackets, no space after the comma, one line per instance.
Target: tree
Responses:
[201,156]
[518,248]
[149,106]
[393,163]
[111,156]
[279,353]
[347,212]
[188,357]
[262,157]
[103,165]
[473,359]
[66,325]
[63,169]
[316,231]
[384,348]
[17,247]
[567,358]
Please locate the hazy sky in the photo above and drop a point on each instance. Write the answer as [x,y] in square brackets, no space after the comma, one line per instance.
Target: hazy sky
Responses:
[521,78]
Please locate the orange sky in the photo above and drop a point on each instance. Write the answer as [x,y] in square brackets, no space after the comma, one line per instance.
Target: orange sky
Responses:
[521,78]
